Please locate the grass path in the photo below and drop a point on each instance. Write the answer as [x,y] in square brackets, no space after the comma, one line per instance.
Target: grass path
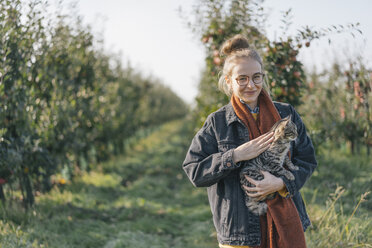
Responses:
[144,200]
[133,201]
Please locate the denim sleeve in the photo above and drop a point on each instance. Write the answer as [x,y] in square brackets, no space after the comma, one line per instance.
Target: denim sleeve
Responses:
[303,156]
[204,164]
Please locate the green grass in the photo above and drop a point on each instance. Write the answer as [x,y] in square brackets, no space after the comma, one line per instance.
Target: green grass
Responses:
[144,199]
[338,201]
[136,200]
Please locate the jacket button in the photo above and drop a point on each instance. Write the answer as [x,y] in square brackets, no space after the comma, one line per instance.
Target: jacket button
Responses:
[228,164]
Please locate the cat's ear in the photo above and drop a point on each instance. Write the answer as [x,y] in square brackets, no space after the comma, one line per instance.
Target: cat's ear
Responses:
[272,129]
[289,117]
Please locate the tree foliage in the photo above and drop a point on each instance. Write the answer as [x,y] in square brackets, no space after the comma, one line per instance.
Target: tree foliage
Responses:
[337,105]
[217,20]
[64,101]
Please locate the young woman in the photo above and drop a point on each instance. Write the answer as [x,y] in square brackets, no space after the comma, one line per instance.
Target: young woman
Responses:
[238,132]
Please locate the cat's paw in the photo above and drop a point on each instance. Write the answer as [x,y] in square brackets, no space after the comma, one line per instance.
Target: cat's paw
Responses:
[289,176]
[291,166]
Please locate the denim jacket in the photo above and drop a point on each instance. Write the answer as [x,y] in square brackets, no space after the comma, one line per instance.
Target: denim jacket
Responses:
[209,163]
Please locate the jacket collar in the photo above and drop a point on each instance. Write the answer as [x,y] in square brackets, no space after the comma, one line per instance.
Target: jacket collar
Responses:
[230,114]
[232,117]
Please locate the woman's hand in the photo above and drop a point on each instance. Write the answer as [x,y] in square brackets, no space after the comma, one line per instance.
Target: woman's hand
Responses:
[253,148]
[266,186]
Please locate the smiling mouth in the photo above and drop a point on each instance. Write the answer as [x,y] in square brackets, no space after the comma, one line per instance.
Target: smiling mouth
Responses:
[250,92]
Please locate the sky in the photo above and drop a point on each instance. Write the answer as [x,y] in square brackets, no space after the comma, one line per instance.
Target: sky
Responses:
[153,37]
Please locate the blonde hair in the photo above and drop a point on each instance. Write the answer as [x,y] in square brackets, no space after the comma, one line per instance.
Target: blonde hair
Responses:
[236,48]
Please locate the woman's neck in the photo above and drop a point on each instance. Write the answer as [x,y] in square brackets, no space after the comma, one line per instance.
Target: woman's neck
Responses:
[252,105]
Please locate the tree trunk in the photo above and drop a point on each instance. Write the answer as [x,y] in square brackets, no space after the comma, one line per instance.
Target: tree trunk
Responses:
[2,195]
[29,199]
[21,185]
[352,146]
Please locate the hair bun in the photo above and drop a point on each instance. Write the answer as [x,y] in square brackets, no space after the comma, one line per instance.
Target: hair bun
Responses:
[238,42]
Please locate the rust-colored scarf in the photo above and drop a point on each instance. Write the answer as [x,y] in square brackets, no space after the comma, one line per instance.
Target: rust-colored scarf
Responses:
[281,226]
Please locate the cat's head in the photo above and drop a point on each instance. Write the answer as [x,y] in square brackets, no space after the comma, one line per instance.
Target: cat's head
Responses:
[285,130]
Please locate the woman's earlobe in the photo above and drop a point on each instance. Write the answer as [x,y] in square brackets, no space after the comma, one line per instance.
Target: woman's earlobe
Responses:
[227,80]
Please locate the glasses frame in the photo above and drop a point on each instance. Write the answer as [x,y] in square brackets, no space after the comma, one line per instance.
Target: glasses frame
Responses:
[251,78]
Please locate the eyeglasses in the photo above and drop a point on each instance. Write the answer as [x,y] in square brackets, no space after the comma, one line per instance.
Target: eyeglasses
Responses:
[257,78]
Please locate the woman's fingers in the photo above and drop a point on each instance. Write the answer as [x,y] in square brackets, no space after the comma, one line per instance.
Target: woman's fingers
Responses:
[269,140]
[265,173]
[251,192]
[266,145]
[263,147]
[250,189]
[261,198]
[253,148]
[253,195]
[252,181]
[266,139]
[266,136]
[269,184]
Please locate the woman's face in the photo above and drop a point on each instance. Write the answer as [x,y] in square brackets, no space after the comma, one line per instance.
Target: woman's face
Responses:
[245,67]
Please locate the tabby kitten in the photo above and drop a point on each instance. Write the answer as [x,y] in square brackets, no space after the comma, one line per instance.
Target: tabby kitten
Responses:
[271,160]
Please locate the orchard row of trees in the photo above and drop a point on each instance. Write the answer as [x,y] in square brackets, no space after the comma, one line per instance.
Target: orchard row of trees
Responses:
[335,103]
[338,106]
[64,101]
